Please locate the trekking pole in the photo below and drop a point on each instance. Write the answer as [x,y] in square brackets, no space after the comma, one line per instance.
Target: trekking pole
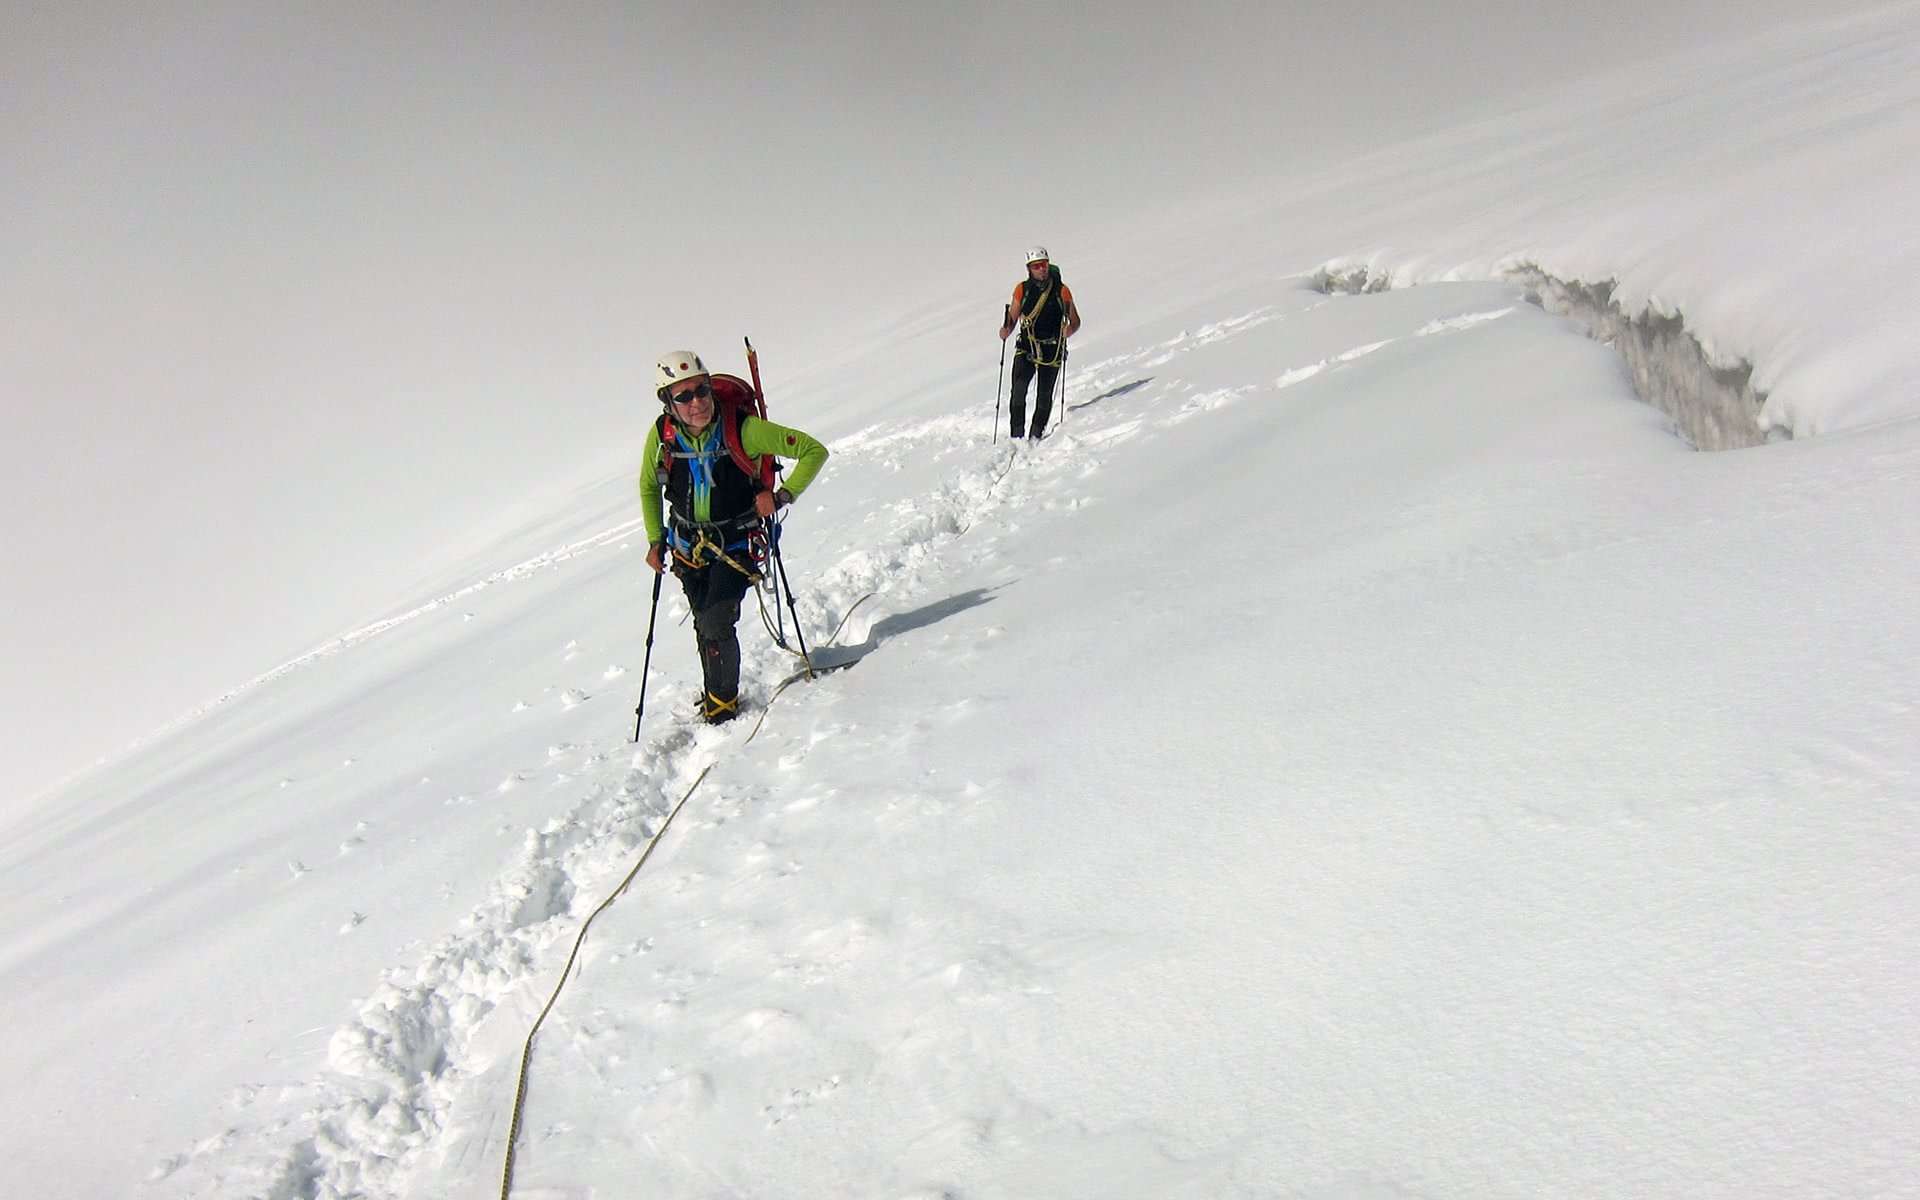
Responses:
[780,565]
[652,614]
[999,377]
[777,628]
[1063,379]
[767,481]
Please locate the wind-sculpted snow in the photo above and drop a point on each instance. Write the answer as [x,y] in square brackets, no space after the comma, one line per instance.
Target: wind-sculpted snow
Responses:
[1714,405]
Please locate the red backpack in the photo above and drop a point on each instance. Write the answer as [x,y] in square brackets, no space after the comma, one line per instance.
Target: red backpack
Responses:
[733,401]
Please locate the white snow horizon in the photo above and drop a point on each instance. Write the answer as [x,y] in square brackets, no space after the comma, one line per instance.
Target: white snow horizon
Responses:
[1364,752]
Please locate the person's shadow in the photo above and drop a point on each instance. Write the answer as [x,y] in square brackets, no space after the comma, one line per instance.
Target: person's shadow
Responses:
[830,657]
[1110,393]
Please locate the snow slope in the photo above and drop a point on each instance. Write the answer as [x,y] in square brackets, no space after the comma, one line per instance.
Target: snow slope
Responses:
[1363,753]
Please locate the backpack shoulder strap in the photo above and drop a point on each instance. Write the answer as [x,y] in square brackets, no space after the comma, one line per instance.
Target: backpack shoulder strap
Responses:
[1031,315]
[758,467]
[663,429]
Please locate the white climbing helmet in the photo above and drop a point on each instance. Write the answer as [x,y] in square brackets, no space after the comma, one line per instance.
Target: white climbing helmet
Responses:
[1037,254]
[674,366]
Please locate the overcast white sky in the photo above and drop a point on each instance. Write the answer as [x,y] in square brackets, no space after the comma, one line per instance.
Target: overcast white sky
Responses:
[273,276]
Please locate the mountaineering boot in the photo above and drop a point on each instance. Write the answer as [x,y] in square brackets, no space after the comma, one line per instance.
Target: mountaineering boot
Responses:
[716,711]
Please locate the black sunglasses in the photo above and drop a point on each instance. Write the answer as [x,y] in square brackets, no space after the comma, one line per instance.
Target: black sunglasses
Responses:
[700,391]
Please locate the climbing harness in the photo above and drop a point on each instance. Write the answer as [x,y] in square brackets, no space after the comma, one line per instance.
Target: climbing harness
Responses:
[1033,342]
[698,543]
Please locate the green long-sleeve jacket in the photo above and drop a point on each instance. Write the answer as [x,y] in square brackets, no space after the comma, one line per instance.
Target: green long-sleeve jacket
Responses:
[757,437]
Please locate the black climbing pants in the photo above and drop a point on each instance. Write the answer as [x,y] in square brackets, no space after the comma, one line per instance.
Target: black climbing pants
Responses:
[1024,372]
[714,592]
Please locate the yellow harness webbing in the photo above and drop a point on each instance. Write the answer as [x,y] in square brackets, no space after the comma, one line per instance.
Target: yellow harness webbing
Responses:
[704,549]
[1034,340]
